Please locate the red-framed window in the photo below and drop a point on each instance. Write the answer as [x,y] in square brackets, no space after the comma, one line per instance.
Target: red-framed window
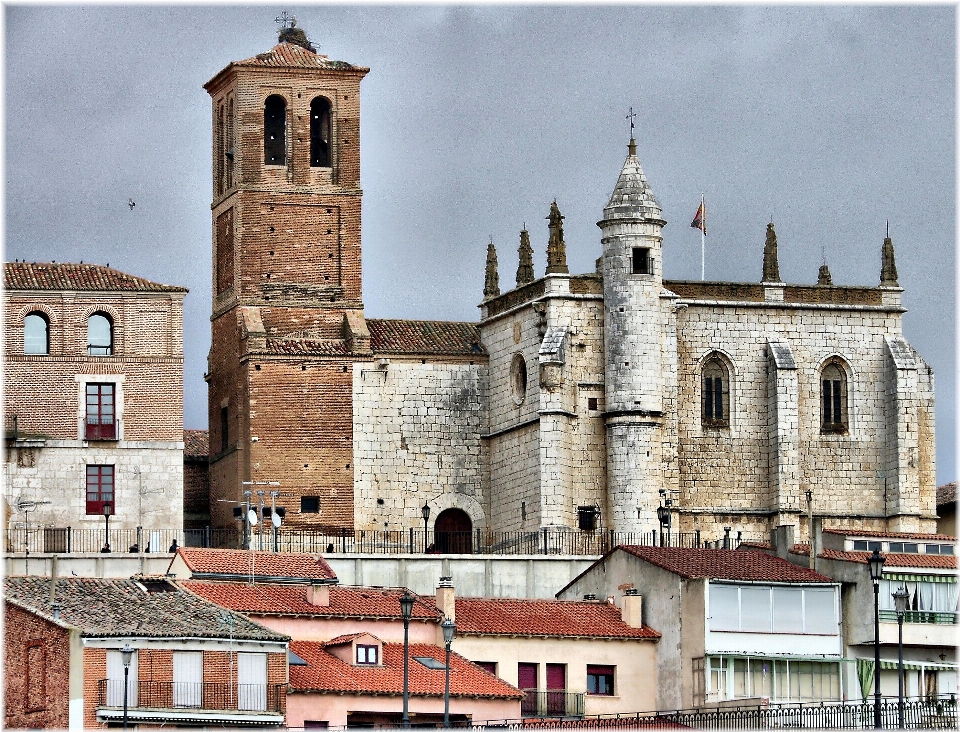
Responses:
[101,422]
[99,489]
[600,680]
[367,655]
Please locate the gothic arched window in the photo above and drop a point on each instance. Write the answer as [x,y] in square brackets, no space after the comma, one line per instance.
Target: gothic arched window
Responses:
[36,334]
[99,335]
[320,133]
[275,130]
[833,401]
[715,392]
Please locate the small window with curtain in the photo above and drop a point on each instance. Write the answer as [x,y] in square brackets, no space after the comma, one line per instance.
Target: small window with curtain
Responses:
[833,412]
[600,680]
[367,655]
[715,397]
[99,335]
[36,334]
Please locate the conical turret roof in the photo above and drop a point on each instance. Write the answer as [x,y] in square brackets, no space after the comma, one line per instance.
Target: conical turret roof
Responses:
[632,197]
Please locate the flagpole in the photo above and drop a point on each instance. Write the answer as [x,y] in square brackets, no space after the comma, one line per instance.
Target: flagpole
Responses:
[703,238]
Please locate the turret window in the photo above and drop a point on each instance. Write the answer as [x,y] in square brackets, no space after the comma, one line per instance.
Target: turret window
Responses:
[833,403]
[320,133]
[275,131]
[715,399]
[641,261]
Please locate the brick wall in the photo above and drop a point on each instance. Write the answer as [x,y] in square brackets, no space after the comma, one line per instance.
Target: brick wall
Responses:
[36,691]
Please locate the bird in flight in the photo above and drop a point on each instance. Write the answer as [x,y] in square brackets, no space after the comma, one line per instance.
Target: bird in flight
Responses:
[131,203]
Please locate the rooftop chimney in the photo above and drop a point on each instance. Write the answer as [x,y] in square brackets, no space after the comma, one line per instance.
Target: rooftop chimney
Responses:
[631,611]
[782,540]
[446,598]
[319,595]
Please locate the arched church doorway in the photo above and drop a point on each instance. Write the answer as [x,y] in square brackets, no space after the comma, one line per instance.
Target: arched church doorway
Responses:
[452,531]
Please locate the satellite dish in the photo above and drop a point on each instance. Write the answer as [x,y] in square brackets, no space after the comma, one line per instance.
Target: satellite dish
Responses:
[276,520]
[252,517]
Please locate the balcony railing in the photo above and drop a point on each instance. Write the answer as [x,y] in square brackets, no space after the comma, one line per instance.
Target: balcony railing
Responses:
[206,696]
[41,538]
[920,616]
[539,703]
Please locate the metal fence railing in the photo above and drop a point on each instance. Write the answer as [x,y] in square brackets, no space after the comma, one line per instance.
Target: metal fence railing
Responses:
[201,695]
[920,616]
[539,703]
[559,541]
[928,713]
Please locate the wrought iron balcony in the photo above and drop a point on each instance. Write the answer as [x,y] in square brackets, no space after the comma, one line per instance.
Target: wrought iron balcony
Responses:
[170,699]
[538,703]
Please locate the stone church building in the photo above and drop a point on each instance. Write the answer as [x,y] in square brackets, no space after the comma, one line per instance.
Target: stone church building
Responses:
[577,401]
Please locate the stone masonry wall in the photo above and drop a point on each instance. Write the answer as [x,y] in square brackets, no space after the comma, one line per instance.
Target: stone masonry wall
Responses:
[417,429]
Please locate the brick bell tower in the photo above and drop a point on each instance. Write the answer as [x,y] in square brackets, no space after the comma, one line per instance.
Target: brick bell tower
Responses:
[287,321]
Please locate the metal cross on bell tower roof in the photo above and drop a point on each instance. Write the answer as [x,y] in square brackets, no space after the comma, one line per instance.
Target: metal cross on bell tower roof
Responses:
[632,148]
[286,21]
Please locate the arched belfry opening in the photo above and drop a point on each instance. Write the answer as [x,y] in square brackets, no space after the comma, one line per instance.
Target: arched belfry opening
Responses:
[275,130]
[453,532]
[320,152]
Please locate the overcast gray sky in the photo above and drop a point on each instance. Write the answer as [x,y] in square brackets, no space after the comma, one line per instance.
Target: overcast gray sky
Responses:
[830,119]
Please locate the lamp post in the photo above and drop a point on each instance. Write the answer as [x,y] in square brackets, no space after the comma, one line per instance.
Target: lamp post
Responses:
[449,630]
[126,653]
[875,561]
[425,510]
[901,597]
[406,610]
[107,510]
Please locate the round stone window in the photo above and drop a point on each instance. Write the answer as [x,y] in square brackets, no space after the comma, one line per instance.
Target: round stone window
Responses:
[518,378]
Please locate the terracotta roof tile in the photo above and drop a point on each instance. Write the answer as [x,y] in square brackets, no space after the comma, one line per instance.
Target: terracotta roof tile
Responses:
[728,564]
[196,443]
[239,563]
[345,602]
[425,337]
[891,534]
[326,672]
[290,54]
[292,347]
[113,607]
[946,493]
[67,276]
[919,561]
[552,618]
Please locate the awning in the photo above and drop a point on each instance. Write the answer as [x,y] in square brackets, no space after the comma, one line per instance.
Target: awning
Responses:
[900,577]
[918,666]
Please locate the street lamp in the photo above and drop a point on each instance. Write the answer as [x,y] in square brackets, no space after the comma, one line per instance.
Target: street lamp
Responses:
[107,510]
[449,630]
[901,598]
[425,510]
[126,653]
[875,561]
[664,516]
[406,610]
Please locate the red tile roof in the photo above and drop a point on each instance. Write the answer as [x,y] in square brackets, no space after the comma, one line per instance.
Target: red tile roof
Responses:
[345,602]
[327,673]
[891,534]
[921,561]
[68,276]
[291,347]
[425,337]
[552,618]
[728,564]
[946,493]
[290,54]
[239,563]
[196,443]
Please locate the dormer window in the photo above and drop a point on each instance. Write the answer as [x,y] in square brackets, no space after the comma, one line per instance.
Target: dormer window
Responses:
[368,655]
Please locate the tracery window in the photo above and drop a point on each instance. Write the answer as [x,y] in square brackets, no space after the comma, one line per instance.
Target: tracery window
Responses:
[833,402]
[715,391]
[275,130]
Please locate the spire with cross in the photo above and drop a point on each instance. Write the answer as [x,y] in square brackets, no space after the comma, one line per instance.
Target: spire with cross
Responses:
[633,144]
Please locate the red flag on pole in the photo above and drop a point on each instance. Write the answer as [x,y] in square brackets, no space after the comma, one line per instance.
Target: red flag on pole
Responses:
[700,220]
